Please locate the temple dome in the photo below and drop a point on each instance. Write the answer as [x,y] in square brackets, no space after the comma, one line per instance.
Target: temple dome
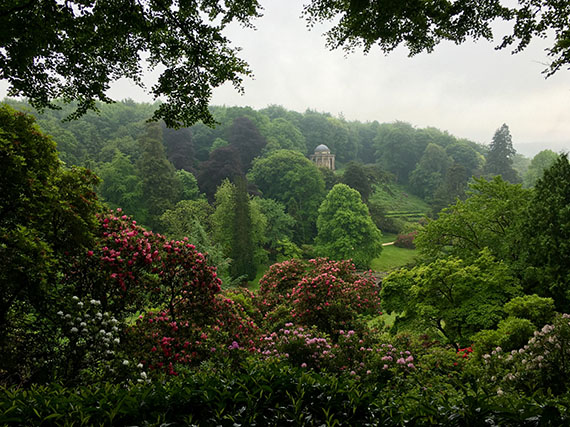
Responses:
[322,149]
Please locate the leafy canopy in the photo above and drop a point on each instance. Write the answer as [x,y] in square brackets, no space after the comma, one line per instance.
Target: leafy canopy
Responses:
[454,296]
[422,25]
[74,50]
[345,229]
[489,218]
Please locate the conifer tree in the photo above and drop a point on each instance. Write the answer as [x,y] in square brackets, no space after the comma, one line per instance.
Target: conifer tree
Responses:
[499,159]
[242,247]
[160,186]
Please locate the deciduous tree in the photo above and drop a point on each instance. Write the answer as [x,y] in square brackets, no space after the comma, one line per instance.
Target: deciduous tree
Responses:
[538,165]
[345,229]
[490,217]
[456,297]
[421,26]
[46,213]
[76,49]
[290,178]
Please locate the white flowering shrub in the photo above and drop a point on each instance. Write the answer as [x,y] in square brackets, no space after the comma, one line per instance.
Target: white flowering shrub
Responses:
[91,344]
[543,363]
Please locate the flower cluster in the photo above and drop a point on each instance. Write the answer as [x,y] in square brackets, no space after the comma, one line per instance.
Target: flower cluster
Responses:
[302,347]
[544,361]
[352,354]
[163,343]
[92,338]
[465,352]
[331,303]
[275,285]
[131,266]
[360,354]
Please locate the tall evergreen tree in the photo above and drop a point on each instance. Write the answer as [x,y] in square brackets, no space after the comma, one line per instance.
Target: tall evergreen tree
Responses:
[179,147]
[160,186]
[223,163]
[246,139]
[499,159]
[548,235]
[242,248]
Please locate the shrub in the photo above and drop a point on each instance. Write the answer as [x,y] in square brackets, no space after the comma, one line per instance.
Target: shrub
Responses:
[331,304]
[511,333]
[406,240]
[163,344]
[532,307]
[301,347]
[278,281]
[131,267]
[541,364]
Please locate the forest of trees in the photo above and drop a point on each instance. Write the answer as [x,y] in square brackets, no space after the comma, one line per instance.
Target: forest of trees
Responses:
[172,181]
[93,303]
[198,269]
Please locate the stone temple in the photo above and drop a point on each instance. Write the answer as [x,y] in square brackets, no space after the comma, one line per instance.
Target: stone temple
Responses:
[323,157]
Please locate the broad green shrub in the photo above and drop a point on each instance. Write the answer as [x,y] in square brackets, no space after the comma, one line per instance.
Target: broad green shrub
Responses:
[511,333]
[532,307]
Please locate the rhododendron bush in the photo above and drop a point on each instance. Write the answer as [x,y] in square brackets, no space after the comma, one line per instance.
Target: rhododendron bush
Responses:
[131,267]
[328,294]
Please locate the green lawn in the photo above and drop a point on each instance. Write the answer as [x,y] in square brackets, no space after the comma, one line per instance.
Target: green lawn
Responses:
[393,257]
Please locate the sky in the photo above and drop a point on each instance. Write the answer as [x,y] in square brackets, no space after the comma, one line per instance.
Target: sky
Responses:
[469,90]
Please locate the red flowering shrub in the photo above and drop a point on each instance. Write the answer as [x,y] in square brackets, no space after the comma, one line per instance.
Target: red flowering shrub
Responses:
[131,268]
[187,284]
[330,303]
[464,352]
[406,240]
[278,281]
[161,343]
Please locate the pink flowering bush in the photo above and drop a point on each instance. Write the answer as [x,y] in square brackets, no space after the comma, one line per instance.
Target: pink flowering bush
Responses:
[324,293]
[406,240]
[278,282]
[363,355]
[331,304]
[352,354]
[299,346]
[118,271]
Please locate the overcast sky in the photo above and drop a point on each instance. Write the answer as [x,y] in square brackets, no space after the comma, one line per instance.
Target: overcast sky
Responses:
[468,90]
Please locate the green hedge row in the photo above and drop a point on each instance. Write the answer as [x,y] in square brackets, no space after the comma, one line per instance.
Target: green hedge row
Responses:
[270,394]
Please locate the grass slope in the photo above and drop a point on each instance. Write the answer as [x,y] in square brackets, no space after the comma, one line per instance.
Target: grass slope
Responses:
[393,257]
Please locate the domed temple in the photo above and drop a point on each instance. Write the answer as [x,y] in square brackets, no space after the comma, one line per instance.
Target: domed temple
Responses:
[323,157]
